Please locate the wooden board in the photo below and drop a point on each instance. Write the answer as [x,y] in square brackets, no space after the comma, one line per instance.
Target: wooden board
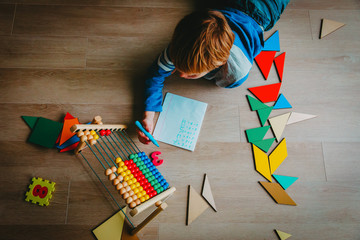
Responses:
[207,193]
[196,205]
[277,193]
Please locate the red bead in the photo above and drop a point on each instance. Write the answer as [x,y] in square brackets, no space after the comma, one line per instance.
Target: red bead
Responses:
[151,194]
[154,193]
[136,169]
[136,175]
[131,161]
[102,132]
[145,180]
[141,176]
[108,132]
[148,191]
[141,182]
[126,163]
[151,188]
[130,166]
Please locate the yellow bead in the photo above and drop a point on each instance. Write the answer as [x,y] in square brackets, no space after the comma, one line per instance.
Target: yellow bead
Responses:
[133,186]
[134,180]
[147,197]
[125,168]
[92,132]
[123,174]
[131,176]
[142,199]
[141,188]
[137,184]
[120,169]
[143,192]
[121,163]
[128,172]
[139,195]
[96,137]
[126,178]
[118,159]
[136,190]
[130,181]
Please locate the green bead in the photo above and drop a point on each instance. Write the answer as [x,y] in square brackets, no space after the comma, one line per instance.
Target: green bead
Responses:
[131,156]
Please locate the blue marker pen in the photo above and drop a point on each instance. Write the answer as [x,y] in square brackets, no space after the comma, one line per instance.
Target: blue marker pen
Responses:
[138,124]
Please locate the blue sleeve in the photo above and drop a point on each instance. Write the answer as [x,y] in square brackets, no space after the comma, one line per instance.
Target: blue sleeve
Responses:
[238,83]
[161,68]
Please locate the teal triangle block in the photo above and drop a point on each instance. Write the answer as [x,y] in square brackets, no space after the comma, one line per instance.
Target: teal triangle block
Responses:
[285,181]
[264,114]
[264,144]
[255,104]
[282,103]
[30,121]
[272,43]
[256,134]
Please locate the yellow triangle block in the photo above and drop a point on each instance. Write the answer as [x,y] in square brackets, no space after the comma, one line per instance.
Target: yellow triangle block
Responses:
[196,205]
[277,156]
[261,162]
[278,124]
[282,235]
[112,228]
[329,26]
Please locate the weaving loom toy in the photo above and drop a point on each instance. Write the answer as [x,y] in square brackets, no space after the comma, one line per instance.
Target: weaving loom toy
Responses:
[40,191]
[130,170]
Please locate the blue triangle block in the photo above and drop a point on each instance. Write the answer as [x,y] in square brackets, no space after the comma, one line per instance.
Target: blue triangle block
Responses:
[282,103]
[272,43]
[285,181]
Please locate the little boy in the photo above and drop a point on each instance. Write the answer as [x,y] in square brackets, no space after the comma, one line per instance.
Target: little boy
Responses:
[218,45]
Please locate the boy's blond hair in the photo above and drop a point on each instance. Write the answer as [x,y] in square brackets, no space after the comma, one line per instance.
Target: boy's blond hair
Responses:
[201,42]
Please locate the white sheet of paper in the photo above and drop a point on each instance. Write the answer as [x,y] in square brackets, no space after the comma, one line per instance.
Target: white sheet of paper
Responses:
[180,121]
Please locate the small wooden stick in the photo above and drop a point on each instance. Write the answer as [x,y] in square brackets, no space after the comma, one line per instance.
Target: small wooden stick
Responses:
[160,208]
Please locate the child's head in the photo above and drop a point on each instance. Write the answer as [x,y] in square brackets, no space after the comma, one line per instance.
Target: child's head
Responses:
[201,42]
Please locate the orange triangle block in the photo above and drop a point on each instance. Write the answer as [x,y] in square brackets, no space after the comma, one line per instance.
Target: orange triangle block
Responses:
[279,65]
[277,156]
[329,26]
[66,134]
[278,124]
[267,93]
[264,61]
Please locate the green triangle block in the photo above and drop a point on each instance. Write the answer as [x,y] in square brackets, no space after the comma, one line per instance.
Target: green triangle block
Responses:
[264,144]
[256,134]
[263,114]
[255,104]
[45,132]
[285,181]
[30,121]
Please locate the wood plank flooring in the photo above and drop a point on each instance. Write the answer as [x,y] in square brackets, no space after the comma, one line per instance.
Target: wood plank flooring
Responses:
[90,57]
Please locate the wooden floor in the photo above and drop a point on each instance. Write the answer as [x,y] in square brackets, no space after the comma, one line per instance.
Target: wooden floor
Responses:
[89,58]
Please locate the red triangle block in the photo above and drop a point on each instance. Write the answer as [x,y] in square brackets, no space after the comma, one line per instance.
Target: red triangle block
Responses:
[264,61]
[267,93]
[279,64]
[68,116]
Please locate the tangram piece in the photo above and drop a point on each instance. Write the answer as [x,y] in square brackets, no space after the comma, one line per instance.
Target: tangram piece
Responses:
[282,103]
[69,148]
[70,141]
[278,124]
[266,93]
[282,235]
[277,193]
[264,114]
[45,132]
[264,144]
[196,205]
[329,26]
[272,43]
[112,228]
[279,65]
[30,121]
[40,191]
[278,155]
[255,104]
[298,117]
[285,181]
[264,61]
[66,134]
[126,233]
[68,116]
[207,193]
[261,162]
[256,134]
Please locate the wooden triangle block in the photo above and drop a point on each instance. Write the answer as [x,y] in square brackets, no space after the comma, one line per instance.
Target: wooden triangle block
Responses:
[264,114]
[66,134]
[264,144]
[272,43]
[30,121]
[264,61]
[298,117]
[255,104]
[285,181]
[282,235]
[261,162]
[329,26]
[282,103]
[196,205]
[277,193]
[279,65]
[266,93]
[207,193]
[256,134]
[112,228]
[278,124]
[277,156]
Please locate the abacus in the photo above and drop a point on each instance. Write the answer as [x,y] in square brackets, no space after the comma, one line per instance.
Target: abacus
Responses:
[130,170]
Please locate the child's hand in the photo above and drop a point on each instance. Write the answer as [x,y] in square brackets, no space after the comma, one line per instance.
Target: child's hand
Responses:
[148,124]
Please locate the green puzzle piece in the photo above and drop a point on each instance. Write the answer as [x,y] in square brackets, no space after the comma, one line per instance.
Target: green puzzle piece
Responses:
[255,104]
[30,121]
[264,144]
[45,132]
[263,114]
[256,134]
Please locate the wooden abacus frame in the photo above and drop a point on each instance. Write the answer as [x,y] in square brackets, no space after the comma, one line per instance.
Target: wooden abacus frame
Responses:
[156,201]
